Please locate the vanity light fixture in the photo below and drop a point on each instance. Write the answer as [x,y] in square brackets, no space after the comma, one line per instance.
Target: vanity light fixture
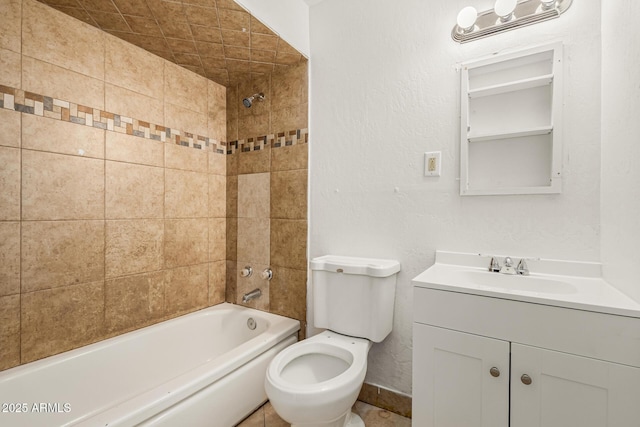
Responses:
[505,15]
[548,4]
[467,19]
[504,9]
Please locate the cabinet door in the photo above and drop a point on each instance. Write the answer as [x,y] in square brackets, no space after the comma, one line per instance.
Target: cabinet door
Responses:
[571,391]
[453,384]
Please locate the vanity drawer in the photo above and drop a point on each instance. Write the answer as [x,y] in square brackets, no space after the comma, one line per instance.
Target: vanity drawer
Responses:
[600,336]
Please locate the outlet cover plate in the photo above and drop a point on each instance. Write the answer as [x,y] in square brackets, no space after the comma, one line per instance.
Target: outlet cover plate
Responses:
[432,163]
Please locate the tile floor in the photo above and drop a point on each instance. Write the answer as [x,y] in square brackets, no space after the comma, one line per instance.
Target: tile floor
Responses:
[372,417]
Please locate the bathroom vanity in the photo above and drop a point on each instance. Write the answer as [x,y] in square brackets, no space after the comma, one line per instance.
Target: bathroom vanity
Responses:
[559,347]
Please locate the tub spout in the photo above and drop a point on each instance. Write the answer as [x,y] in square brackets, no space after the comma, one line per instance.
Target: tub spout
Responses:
[256,293]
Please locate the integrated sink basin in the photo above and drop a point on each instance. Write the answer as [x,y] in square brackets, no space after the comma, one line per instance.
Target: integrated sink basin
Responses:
[569,284]
[515,283]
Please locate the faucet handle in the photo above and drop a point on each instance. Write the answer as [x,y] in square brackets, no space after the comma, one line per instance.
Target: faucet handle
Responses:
[494,265]
[522,268]
[508,262]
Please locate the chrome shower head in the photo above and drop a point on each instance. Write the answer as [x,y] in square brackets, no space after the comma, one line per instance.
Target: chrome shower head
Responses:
[255,97]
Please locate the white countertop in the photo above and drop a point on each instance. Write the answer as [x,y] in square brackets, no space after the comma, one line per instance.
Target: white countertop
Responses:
[576,285]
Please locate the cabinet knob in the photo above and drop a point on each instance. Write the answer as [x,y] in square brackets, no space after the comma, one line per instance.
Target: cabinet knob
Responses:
[495,372]
[526,379]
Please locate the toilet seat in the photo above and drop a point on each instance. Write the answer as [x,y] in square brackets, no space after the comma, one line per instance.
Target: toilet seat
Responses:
[349,350]
[341,363]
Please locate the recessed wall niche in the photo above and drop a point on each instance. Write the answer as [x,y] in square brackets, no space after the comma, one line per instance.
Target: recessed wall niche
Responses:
[511,109]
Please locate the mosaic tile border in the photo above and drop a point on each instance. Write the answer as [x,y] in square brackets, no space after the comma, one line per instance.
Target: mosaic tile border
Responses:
[45,106]
[280,139]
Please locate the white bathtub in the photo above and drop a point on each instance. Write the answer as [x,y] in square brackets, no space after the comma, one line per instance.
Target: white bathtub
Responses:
[203,369]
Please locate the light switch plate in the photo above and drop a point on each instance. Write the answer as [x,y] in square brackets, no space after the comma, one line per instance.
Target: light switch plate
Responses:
[432,163]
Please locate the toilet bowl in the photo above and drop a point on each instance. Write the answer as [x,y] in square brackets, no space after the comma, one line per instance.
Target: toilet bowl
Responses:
[316,381]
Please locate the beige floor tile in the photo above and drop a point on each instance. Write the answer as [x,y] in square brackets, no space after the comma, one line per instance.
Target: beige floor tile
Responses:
[376,417]
[254,420]
[372,417]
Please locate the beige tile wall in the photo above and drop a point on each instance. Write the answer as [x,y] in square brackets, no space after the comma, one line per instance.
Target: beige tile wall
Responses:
[102,232]
[267,194]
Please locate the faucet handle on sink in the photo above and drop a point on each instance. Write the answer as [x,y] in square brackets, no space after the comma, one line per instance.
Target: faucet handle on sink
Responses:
[494,265]
[522,268]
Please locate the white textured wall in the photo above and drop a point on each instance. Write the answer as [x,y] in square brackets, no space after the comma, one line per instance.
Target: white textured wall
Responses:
[288,18]
[621,145]
[384,89]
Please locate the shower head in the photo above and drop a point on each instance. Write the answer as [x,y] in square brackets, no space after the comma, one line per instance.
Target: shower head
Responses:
[255,97]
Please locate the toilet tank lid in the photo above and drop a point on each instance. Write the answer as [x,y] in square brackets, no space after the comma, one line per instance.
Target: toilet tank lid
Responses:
[354,265]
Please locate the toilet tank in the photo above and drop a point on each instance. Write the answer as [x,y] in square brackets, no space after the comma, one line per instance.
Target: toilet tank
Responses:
[354,296]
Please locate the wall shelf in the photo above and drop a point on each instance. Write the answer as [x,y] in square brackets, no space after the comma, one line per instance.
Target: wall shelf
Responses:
[511,123]
[543,130]
[511,86]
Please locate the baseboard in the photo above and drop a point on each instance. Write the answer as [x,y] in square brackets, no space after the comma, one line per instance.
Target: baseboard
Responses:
[390,400]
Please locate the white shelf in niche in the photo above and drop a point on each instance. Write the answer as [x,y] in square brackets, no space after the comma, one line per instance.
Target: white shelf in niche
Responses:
[511,123]
[543,130]
[511,86]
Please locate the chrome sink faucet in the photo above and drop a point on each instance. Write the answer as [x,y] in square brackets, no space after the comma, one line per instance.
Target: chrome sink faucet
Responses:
[522,269]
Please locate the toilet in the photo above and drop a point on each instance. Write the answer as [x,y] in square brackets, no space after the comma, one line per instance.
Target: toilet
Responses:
[315,382]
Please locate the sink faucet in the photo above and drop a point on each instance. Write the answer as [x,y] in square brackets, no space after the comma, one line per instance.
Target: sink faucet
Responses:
[507,268]
[522,269]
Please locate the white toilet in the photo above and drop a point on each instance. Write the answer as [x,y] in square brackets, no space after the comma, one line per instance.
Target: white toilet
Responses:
[315,382]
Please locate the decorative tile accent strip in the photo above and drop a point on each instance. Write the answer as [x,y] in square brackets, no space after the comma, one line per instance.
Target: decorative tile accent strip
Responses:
[281,139]
[40,105]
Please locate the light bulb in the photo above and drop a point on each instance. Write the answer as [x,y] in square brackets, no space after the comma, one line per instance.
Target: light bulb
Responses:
[548,4]
[467,18]
[504,9]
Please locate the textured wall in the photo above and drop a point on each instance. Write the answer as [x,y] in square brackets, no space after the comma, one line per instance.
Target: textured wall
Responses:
[267,191]
[385,89]
[112,210]
[620,148]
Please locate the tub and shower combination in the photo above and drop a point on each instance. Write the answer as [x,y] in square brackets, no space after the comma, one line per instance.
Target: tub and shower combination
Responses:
[203,369]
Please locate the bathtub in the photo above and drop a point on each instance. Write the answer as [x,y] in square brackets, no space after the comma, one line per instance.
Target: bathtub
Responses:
[203,369]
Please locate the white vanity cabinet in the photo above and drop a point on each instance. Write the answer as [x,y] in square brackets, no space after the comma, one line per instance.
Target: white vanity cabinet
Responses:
[488,362]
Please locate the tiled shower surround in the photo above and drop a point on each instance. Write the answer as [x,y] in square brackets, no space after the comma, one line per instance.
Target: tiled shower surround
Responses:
[267,192]
[114,211]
